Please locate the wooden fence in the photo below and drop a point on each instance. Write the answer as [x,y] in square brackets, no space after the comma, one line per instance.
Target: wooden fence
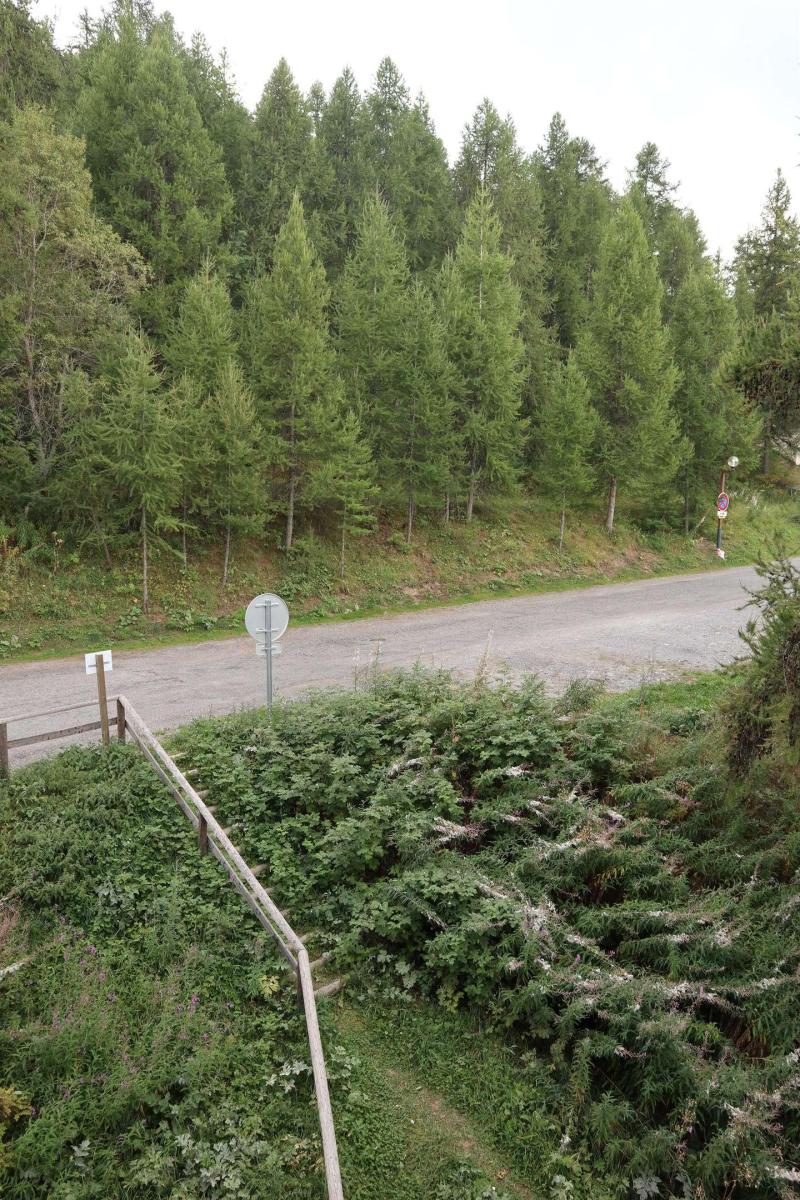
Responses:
[212,839]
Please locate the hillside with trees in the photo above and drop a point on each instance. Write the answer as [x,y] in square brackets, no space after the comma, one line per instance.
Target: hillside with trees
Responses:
[218,325]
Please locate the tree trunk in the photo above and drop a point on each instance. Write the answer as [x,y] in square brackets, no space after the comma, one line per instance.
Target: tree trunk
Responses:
[227,554]
[290,511]
[341,552]
[563,521]
[447,506]
[767,444]
[145,588]
[471,494]
[686,521]
[612,504]
[183,537]
[98,530]
[409,518]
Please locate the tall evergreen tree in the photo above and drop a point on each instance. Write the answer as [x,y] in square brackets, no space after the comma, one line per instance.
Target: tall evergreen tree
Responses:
[492,159]
[158,177]
[577,206]
[66,277]
[623,351]
[419,435]
[715,419]
[235,490]
[766,368]
[345,478]
[281,160]
[191,417]
[482,314]
[408,164]
[767,262]
[31,69]
[342,156]
[288,353]
[228,122]
[136,445]
[566,429]
[371,314]
[201,340]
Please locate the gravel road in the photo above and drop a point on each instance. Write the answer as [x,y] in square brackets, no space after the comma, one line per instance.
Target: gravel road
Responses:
[626,632]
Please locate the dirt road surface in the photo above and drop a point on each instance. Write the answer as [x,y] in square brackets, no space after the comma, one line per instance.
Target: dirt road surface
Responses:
[624,633]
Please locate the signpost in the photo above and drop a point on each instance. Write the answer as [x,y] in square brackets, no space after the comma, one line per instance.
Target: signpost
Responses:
[723,502]
[266,620]
[97,664]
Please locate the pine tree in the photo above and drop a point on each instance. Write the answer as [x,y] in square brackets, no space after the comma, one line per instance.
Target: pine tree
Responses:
[345,478]
[566,430]
[158,177]
[235,491]
[765,367]
[228,122]
[136,440]
[481,312]
[767,262]
[576,200]
[715,419]
[31,69]
[201,340]
[342,156]
[371,314]
[492,159]
[66,278]
[288,354]
[419,431]
[191,415]
[407,163]
[623,352]
[281,160]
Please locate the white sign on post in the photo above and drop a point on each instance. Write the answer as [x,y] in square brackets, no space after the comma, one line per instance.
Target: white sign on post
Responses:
[91,664]
[266,620]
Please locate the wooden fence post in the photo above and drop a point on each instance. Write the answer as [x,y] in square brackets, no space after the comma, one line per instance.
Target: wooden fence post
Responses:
[202,835]
[120,721]
[101,696]
[4,769]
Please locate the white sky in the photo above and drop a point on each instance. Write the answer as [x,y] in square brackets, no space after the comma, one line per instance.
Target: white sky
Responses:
[713,82]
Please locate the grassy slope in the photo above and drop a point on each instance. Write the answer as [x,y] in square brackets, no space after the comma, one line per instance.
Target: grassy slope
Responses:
[57,606]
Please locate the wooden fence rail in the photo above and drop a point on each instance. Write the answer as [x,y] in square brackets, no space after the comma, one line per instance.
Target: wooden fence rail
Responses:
[211,839]
[7,743]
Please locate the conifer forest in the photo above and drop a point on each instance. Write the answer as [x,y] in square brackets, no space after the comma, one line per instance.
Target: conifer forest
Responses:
[215,322]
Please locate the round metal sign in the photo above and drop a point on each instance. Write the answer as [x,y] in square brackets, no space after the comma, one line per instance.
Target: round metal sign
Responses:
[723,501]
[257,620]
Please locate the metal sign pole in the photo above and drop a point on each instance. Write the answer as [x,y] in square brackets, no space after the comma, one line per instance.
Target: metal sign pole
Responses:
[268,652]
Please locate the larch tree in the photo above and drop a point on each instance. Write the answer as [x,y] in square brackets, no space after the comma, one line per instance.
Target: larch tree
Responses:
[345,478]
[31,68]
[623,351]
[371,312]
[418,445]
[481,311]
[235,490]
[716,420]
[491,158]
[280,162]
[288,354]
[66,278]
[340,140]
[767,261]
[136,440]
[565,433]
[201,340]
[157,174]
[577,202]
